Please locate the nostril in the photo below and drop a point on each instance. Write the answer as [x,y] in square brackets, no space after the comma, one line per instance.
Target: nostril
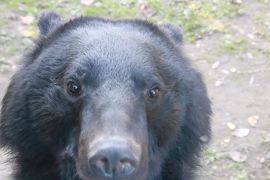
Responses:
[113,162]
[125,167]
[102,165]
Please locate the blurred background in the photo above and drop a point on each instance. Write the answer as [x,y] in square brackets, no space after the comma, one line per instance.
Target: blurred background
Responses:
[227,40]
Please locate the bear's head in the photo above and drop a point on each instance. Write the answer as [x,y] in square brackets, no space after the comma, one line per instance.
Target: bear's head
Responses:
[113,96]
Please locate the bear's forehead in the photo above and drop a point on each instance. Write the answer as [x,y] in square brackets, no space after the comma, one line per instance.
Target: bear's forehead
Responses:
[108,51]
[111,45]
[111,38]
[116,29]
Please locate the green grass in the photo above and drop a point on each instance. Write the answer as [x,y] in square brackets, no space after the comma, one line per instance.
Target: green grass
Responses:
[28,6]
[197,18]
[239,171]
[211,155]
[233,45]
[113,9]
[266,52]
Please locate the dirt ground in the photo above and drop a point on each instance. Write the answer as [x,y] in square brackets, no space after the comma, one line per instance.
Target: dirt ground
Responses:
[236,68]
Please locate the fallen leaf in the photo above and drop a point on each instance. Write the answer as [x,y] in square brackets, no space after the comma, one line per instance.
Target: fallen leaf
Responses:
[87,2]
[250,56]
[215,65]
[218,83]
[252,120]
[237,1]
[241,132]
[251,36]
[27,19]
[261,159]
[227,140]
[146,10]
[225,72]
[231,126]
[237,156]
[251,80]
[233,70]
[198,43]
[29,33]
[216,25]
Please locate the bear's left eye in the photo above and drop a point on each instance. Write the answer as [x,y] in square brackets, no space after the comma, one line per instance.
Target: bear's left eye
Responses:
[154,93]
[73,88]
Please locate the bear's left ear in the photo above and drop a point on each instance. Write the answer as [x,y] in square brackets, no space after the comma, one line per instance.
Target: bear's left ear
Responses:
[48,22]
[174,33]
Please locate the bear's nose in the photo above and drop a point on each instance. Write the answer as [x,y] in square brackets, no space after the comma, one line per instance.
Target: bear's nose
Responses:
[113,162]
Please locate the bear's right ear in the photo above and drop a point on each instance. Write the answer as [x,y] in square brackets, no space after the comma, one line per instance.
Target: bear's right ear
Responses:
[48,22]
[173,32]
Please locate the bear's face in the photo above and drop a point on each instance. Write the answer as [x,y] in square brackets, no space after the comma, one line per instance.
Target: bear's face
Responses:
[104,93]
[114,81]
[114,78]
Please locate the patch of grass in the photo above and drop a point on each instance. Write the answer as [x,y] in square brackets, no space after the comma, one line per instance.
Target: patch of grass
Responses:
[239,170]
[242,175]
[265,1]
[266,52]
[3,16]
[234,166]
[196,18]
[9,51]
[211,155]
[3,22]
[238,77]
[265,138]
[113,9]
[28,6]
[233,45]
[261,29]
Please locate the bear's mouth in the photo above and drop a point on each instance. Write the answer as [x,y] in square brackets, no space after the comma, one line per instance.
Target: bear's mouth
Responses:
[110,157]
[104,158]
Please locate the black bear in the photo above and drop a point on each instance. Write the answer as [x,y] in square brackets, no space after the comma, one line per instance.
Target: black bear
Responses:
[100,99]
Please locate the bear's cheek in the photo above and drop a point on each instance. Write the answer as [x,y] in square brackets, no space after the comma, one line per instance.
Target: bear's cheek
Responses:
[164,121]
[53,114]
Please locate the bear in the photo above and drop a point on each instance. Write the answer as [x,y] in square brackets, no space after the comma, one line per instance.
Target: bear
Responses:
[102,99]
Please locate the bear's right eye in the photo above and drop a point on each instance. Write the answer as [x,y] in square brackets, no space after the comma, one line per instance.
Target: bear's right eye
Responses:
[73,88]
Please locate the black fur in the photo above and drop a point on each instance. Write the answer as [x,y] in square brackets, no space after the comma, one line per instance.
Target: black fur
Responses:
[41,124]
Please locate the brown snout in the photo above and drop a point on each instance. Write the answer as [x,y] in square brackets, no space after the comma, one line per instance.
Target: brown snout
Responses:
[114,158]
